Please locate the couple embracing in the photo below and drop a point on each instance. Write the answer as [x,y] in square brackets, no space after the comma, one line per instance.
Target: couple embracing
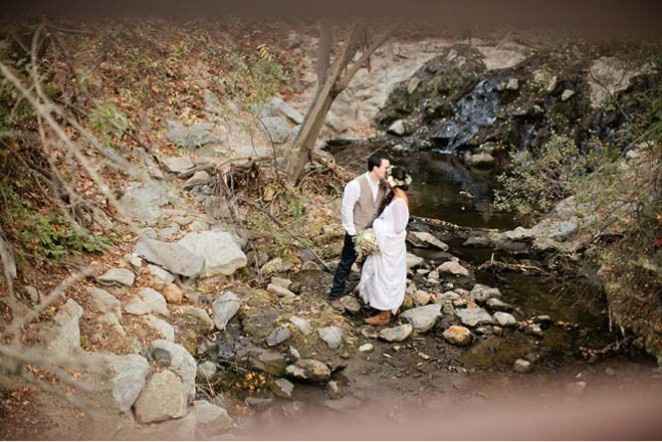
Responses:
[376,200]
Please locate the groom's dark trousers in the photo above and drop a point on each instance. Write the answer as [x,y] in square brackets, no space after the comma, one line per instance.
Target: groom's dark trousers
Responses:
[347,258]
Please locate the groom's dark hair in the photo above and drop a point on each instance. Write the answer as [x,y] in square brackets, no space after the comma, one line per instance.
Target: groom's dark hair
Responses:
[375,160]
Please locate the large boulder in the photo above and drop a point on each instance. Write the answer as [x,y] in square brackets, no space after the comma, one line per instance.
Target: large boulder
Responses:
[193,136]
[163,398]
[172,256]
[128,378]
[118,277]
[149,301]
[178,360]
[143,201]
[423,318]
[218,249]
[104,302]
[164,329]
[276,128]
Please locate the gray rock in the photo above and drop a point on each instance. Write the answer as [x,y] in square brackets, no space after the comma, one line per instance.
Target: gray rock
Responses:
[282,388]
[218,249]
[224,308]
[32,294]
[206,370]
[413,84]
[199,226]
[269,362]
[276,106]
[276,265]
[163,398]
[181,362]
[150,301]
[505,319]
[473,317]
[332,336]
[64,337]
[522,366]
[278,336]
[458,335]
[193,136]
[173,257]
[534,330]
[280,291]
[198,318]
[168,232]
[128,378]
[276,128]
[519,234]
[413,261]
[495,304]
[134,261]
[562,230]
[567,94]
[351,304]
[423,318]
[367,347]
[513,84]
[481,159]
[211,418]
[166,330]
[397,128]
[118,277]
[104,302]
[423,239]
[143,201]
[396,334]
[454,268]
[162,276]
[481,293]
[281,282]
[303,325]
[178,165]
[309,370]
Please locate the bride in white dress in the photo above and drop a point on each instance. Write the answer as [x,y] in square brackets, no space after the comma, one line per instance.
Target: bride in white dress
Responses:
[384,275]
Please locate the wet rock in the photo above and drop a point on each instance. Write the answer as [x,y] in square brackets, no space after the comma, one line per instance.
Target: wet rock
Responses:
[143,201]
[173,294]
[180,361]
[166,330]
[224,308]
[332,336]
[218,250]
[64,337]
[425,239]
[278,336]
[206,371]
[163,398]
[171,256]
[495,304]
[210,418]
[309,370]
[505,319]
[303,325]
[454,268]
[481,293]
[198,319]
[458,335]
[282,388]
[423,318]
[128,378]
[473,317]
[118,277]
[149,301]
[365,348]
[522,366]
[351,304]
[396,334]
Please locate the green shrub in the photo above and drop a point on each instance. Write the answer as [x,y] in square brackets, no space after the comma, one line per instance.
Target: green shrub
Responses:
[108,120]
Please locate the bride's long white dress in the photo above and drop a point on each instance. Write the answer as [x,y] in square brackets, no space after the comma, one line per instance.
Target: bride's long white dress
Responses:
[384,275]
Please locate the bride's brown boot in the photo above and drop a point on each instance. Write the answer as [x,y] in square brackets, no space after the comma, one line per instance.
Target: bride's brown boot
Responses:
[380,319]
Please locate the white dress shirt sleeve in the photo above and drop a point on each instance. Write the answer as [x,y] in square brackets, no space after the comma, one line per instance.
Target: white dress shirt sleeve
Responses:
[350,196]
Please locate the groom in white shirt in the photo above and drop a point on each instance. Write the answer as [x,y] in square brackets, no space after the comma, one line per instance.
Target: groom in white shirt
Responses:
[360,202]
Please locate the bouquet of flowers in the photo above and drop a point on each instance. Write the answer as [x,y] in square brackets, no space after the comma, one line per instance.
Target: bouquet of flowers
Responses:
[365,243]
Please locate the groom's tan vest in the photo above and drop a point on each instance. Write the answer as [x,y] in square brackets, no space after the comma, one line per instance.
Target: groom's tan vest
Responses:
[365,208]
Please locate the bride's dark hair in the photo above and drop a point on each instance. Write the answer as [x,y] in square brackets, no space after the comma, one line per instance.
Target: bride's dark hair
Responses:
[399,174]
